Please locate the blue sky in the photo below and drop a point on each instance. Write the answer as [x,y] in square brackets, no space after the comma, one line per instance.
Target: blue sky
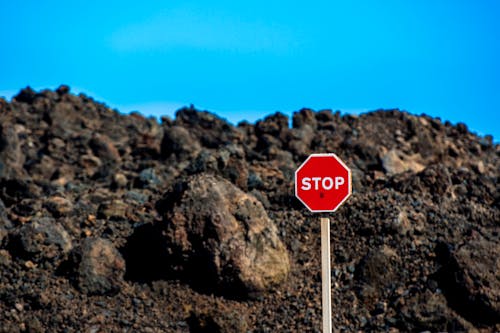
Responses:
[244,60]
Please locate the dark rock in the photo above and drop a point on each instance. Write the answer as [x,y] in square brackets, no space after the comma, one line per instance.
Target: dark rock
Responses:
[63,89]
[218,319]
[64,119]
[4,219]
[99,173]
[100,267]
[90,164]
[470,279]
[228,162]
[180,142]
[148,178]
[11,156]
[115,209]
[103,147]
[210,130]
[272,132]
[27,95]
[59,206]
[42,239]
[136,196]
[14,190]
[376,273]
[429,312]
[305,117]
[225,235]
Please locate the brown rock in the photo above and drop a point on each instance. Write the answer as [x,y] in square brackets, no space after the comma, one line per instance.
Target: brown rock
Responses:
[104,148]
[395,162]
[115,209]
[100,267]
[59,206]
[428,311]
[90,164]
[209,130]
[42,239]
[120,180]
[224,235]
[217,319]
[376,273]
[471,280]
[180,142]
[229,162]
[11,157]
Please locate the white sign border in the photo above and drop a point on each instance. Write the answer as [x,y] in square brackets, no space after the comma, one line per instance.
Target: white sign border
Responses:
[349,174]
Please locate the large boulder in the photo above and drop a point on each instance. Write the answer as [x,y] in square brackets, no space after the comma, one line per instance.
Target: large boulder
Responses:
[224,236]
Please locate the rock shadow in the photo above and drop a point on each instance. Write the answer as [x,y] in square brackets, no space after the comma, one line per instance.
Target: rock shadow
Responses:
[146,256]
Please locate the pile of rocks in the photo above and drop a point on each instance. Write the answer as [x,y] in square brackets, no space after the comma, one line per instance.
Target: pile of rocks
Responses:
[112,222]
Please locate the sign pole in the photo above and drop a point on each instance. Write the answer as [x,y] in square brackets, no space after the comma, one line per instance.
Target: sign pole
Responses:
[322,184]
[326,275]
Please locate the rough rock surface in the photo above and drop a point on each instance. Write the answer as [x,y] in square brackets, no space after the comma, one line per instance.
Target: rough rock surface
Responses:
[414,249]
[223,234]
[43,239]
[100,267]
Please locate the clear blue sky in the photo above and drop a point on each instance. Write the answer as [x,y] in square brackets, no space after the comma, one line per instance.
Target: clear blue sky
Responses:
[245,60]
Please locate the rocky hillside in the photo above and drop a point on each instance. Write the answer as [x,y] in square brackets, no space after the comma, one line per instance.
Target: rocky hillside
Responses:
[118,223]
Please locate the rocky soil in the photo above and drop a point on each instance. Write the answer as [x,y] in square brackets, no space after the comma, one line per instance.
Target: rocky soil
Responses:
[118,223]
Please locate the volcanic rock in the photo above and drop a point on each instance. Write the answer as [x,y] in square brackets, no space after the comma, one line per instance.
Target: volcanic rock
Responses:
[224,234]
[11,157]
[180,142]
[397,162]
[100,267]
[217,319]
[189,203]
[470,277]
[43,239]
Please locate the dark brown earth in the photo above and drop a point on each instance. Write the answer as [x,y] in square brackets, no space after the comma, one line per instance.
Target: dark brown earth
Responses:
[117,223]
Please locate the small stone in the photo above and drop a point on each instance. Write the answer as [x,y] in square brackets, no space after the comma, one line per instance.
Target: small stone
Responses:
[29,264]
[100,267]
[120,180]
[376,272]
[115,209]
[400,223]
[63,89]
[217,319]
[90,163]
[11,156]
[136,196]
[148,178]
[179,141]
[43,239]
[59,206]
[479,166]
[3,235]
[5,258]
[104,148]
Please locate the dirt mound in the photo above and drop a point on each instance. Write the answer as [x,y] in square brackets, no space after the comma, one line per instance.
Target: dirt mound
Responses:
[117,223]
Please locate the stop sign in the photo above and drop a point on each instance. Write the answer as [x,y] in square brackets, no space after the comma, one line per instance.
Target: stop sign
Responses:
[322,182]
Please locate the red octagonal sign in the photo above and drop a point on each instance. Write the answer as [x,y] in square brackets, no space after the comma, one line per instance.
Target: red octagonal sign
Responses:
[323,182]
